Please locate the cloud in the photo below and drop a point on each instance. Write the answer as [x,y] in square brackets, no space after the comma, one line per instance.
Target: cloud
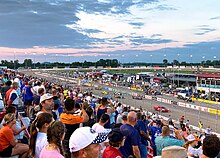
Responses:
[162,7]
[155,35]
[215,18]
[137,23]
[138,40]
[204,29]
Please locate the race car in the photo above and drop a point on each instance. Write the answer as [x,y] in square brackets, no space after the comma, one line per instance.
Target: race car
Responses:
[118,95]
[138,97]
[161,108]
[105,92]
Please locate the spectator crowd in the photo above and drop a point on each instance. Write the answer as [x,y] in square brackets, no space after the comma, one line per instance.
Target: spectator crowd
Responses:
[41,119]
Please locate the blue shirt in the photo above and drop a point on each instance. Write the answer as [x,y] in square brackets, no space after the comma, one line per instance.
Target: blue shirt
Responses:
[164,141]
[155,131]
[140,126]
[132,139]
[27,93]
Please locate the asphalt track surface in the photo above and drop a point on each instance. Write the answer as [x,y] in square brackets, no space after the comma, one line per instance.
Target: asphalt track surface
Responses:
[176,112]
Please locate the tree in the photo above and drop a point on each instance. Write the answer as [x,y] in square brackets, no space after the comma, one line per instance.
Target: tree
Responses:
[165,62]
[27,63]
[175,62]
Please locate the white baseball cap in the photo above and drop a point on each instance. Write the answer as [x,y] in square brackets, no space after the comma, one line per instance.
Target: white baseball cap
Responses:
[83,137]
[80,95]
[45,97]
[192,137]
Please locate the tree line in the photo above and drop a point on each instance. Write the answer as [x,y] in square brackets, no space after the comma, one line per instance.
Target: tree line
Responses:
[28,63]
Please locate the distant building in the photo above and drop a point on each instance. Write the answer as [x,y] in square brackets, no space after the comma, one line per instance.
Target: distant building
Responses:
[209,83]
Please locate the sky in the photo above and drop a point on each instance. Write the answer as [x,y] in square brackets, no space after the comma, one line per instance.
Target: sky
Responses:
[127,30]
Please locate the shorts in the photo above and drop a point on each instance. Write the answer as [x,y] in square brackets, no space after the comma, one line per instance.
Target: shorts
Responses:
[7,151]
[28,102]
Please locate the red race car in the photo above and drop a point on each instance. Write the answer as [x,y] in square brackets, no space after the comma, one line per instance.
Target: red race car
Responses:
[161,108]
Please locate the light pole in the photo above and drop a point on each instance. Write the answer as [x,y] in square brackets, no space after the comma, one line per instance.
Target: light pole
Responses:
[45,57]
[191,59]
[109,61]
[151,60]
[214,61]
[165,65]
[56,60]
[25,60]
[95,60]
[136,59]
[178,69]
[122,60]
[14,59]
[203,58]
[82,60]
[34,59]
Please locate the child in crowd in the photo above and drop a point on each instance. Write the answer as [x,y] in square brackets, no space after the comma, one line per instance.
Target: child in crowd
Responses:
[190,146]
[38,133]
[55,135]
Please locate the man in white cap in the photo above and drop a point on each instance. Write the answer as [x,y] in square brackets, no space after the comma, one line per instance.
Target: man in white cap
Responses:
[46,103]
[84,143]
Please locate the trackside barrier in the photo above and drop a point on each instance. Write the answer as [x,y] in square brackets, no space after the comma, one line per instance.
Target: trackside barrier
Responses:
[205,101]
[183,104]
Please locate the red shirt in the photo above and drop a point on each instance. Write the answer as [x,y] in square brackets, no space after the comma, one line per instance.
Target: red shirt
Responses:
[111,152]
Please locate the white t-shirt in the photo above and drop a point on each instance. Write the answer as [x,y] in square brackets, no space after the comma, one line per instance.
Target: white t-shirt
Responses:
[41,142]
[37,87]
[119,109]
[194,151]
[98,128]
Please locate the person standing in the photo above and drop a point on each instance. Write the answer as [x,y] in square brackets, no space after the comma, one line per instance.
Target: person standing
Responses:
[102,109]
[27,94]
[165,140]
[132,137]
[141,128]
[12,97]
[71,117]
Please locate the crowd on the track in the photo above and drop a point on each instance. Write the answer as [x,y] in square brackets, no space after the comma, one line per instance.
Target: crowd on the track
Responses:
[41,119]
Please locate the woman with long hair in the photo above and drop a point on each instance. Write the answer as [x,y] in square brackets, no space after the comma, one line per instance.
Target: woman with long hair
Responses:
[55,135]
[38,133]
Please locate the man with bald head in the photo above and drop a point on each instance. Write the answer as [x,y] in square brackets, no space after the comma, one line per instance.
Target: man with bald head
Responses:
[132,137]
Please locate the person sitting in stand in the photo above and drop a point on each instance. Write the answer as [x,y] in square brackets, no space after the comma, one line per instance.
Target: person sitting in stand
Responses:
[9,146]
